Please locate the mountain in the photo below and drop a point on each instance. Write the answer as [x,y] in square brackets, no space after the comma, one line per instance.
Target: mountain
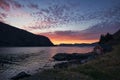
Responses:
[110,39]
[11,36]
[116,38]
[117,35]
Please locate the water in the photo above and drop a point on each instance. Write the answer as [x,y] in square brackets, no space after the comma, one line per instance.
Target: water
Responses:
[38,57]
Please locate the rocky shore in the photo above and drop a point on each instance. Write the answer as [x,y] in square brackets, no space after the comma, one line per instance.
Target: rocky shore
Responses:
[102,67]
[60,61]
[72,59]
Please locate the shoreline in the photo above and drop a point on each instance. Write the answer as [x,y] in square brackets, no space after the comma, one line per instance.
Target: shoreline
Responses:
[48,64]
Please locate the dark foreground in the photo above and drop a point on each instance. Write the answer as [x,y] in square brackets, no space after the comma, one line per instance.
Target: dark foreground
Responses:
[104,67]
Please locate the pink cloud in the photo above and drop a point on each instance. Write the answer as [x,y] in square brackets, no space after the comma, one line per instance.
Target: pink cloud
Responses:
[73,35]
[2,16]
[4,5]
[41,25]
[7,4]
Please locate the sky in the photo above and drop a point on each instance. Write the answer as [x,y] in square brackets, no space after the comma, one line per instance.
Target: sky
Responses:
[63,21]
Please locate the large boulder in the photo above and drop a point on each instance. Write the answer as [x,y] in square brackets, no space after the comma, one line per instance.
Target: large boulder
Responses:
[74,56]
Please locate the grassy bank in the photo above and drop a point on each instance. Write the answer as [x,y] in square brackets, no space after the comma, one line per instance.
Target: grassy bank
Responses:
[104,67]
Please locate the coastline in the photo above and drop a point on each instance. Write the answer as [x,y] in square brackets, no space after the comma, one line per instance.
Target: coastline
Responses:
[50,64]
[7,64]
[102,68]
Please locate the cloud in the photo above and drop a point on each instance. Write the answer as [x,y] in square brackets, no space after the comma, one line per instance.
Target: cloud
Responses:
[71,35]
[33,6]
[61,14]
[54,15]
[109,15]
[104,27]
[7,4]
[2,16]
[91,34]
[40,25]
[4,5]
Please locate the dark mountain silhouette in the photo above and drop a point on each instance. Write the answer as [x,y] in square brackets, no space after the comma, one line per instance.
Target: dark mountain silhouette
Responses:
[110,39]
[11,36]
[117,35]
[116,38]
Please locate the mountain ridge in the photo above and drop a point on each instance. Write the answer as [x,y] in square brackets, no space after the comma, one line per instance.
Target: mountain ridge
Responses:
[12,36]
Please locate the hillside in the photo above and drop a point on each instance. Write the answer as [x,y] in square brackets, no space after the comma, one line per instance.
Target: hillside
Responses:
[110,39]
[11,36]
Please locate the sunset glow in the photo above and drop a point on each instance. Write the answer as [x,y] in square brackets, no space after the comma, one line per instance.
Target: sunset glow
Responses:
[63,21]
[60,41]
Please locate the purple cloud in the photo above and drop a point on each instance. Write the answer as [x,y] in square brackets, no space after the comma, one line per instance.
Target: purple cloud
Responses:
[4,5]
[109,15]
[33,6]
[2,16]
[7,4]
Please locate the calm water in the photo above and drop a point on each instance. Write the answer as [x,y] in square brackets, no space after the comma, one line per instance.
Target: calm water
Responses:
[39,56]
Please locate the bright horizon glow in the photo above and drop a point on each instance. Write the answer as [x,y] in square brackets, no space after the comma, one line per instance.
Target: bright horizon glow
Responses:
[73,41]
[63,21]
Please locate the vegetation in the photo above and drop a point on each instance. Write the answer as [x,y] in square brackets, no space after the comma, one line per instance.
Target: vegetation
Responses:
[104,67]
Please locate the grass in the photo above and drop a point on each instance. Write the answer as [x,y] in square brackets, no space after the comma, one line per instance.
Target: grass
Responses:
[104,67]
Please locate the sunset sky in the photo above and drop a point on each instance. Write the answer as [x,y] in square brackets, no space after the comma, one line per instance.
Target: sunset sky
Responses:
[63,21]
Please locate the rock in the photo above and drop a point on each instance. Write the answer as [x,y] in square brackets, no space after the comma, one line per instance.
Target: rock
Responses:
[61,56]
[20,75]
[75,60]
[74,56]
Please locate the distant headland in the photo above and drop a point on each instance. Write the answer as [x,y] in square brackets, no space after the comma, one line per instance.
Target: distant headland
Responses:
[11,36]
